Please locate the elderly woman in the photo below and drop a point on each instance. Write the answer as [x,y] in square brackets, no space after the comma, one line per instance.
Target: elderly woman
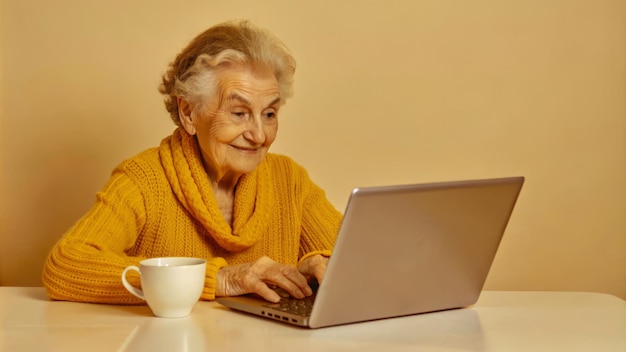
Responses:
[211,189]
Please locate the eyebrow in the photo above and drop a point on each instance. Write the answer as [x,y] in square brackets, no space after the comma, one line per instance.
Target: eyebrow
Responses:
[241,99]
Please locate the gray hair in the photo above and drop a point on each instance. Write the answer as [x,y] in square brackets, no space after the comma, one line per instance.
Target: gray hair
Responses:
[193,74]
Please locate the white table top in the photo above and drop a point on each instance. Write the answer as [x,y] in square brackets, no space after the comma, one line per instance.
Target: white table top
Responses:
[500,321]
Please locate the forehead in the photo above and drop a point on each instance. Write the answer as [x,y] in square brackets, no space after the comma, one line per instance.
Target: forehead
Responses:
[247,82]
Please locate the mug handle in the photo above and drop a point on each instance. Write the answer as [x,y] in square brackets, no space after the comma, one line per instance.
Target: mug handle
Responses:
[132,289]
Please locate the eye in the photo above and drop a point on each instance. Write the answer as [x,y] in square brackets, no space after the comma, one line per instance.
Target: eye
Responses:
[239,113]
[270,114]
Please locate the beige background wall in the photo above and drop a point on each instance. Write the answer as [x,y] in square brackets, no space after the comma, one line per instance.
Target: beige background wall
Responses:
[386,92]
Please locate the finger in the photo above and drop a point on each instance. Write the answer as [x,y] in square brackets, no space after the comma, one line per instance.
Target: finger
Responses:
[285,276]
[267,293]
[318,273]
[292,281]
[315,267]
[299,280]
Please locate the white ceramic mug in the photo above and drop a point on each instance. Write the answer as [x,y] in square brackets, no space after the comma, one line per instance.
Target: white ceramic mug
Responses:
[170,285]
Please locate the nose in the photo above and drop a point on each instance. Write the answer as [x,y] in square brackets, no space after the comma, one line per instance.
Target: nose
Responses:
[255,131]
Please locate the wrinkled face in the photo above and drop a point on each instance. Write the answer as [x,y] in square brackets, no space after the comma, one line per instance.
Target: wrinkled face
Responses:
[238,124]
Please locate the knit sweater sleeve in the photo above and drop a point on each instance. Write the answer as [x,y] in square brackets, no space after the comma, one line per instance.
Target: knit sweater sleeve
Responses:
[85,265]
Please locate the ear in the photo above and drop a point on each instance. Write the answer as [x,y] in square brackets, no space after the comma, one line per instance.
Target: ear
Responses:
[184,114]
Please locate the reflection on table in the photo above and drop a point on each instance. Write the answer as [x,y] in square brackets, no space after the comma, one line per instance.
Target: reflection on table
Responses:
[500,321]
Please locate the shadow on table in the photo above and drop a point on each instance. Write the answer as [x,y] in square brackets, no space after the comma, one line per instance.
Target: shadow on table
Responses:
[452,330]
[458,329]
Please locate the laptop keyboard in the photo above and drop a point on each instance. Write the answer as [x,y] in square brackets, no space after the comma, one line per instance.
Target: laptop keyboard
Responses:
[292,305]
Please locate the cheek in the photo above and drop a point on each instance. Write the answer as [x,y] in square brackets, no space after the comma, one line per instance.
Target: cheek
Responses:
[224,132]
[270,134]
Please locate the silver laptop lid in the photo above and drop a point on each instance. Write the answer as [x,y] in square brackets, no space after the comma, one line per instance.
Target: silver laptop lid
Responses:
[412,249]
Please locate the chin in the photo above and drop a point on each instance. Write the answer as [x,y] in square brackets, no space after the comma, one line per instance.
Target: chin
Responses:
[245,168]
[245,164]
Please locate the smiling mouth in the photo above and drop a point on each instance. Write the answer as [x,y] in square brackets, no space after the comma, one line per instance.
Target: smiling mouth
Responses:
[246,150]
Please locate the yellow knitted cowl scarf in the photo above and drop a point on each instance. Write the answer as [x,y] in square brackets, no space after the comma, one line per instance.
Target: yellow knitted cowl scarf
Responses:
[182,162]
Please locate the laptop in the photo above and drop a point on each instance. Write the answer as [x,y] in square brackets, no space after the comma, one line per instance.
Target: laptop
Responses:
[404,250]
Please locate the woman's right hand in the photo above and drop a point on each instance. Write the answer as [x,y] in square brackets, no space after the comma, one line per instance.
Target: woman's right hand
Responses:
[234,280]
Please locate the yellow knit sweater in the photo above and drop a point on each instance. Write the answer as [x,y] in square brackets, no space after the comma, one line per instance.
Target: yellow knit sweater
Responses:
[160,203]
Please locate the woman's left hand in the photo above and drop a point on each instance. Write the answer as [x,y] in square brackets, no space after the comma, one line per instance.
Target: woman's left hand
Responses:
[314,267]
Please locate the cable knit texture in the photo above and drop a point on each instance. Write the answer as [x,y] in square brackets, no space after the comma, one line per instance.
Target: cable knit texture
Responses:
[161,203]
